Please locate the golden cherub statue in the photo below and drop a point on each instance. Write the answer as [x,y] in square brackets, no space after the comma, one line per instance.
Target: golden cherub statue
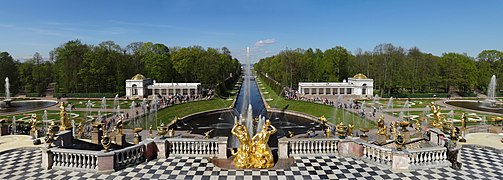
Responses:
[327,132]
[464,120]
[380,126]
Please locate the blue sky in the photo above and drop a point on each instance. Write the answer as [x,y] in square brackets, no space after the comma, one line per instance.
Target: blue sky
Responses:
[267,27]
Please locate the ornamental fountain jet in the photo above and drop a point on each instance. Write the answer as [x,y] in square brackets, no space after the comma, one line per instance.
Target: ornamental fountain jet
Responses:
[7,89]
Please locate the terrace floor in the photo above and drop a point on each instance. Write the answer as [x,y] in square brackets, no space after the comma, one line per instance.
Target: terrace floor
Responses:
[478,163]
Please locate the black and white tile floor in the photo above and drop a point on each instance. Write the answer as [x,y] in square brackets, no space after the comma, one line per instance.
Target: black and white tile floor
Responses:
[478,163]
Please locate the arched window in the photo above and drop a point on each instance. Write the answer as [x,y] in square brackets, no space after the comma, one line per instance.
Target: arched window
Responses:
[364,89]
[135,89]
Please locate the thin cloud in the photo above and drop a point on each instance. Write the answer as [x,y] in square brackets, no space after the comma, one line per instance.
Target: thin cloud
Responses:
[265,42]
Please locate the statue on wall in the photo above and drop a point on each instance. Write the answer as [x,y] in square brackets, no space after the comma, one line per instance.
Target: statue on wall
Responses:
[64,122]
[381,128]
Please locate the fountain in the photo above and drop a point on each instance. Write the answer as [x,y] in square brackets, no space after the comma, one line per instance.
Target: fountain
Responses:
[490,104]
[7,101]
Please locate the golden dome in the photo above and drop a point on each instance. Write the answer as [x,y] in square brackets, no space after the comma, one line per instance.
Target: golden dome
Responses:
[138,77]
[360,76]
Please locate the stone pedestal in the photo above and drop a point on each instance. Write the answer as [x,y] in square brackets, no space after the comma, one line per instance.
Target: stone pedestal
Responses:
[343,148]
[400,161]
[406,136]
[222,148]
[162,149]
[381,139]
[46,159]
[106,162]
[283,148]
[64,139]
[4,130]
[96,137]
[364,137]
[120,139]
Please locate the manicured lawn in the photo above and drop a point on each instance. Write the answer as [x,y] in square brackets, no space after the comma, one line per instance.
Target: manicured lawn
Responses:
[314,109]
[415,103]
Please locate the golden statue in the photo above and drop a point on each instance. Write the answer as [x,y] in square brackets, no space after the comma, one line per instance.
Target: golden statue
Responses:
[105,140]
[418,125]
[262,155]
[327,132]
[393,129]
[464,120]
[171,133]
[33,124]
[380,126]
[207,134]
[437,122]
[290,134]
[119,125]
[150,131]
[350,129]
[80,129]
[243,156]
[65,123]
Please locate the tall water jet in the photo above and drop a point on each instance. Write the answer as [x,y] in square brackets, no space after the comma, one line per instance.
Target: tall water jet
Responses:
[103,106]
[249,121]
[7,88]
[491,89]
[116,103]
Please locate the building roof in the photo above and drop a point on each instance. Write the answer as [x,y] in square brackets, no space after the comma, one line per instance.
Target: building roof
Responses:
[360,76]
[174,85]
[138,77]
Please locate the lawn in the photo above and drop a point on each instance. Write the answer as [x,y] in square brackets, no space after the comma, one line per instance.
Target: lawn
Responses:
[314,109]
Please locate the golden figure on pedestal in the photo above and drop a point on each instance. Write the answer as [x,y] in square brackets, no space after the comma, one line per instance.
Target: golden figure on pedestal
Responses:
[119,125]
[33,123]
[438,119]
[381,128]
[261,152]
[254,152]
[105,140]
[464,120]
[65,123]
[350,129]
[242,156]
[80,129]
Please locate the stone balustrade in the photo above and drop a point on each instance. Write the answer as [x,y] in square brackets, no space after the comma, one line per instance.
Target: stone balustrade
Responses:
[428,157]
[96,161]
[74,159]
[216,147]
[301,147]
[377,154]
[131,155]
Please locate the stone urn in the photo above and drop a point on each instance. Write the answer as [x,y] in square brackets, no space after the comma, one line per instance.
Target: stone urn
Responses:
[162,130]
[341,130]
[404,125]
[137,137]
[400,142]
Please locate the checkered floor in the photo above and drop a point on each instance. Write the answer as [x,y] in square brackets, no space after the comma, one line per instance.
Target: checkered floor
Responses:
[477,164]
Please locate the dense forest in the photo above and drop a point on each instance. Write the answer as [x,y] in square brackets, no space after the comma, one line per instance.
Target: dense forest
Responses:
[395,70]
[76,67]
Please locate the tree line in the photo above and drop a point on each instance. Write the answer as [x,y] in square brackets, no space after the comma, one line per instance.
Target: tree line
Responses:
[76,67]
[395,70]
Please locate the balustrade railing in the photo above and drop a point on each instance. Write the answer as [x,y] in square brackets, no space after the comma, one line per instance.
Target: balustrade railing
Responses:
[377,154]
[75,159]
[312,146]
[431,156]
[192,146]
[130,156]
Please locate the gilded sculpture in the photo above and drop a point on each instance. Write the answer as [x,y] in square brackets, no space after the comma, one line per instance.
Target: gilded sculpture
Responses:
[243,155]
[119,125]
[438,119]
[350,129]
[254,152]
[65,123]
[380,125]
[464,120]
[262,154]
[33,123]
[80,130]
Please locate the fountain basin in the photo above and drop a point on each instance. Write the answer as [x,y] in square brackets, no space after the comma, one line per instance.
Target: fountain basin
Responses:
[25,105]
[477,105]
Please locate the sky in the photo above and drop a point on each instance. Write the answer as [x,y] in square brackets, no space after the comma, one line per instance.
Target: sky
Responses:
[267,26]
